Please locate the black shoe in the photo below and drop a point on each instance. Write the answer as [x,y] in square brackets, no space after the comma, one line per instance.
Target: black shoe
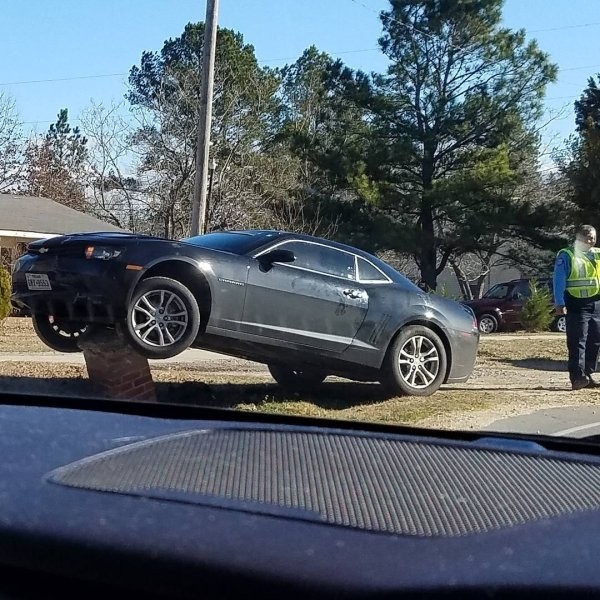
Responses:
[592,383]
[579,384]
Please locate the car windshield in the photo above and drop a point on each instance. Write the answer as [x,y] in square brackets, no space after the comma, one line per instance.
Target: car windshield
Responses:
[497,292]
[319,242]
[234,242]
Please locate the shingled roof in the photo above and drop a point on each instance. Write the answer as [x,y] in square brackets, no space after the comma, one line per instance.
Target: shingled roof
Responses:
[42,215]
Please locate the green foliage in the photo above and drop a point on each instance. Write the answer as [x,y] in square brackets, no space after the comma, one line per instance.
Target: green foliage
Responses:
[5,289]
[444,293]
[164,92]
[582,168]
[538,311]
[587,108]
[67,145]
[55,164]
[447,133]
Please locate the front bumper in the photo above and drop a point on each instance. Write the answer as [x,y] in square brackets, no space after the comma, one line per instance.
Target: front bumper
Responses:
[90,291]
[464,348]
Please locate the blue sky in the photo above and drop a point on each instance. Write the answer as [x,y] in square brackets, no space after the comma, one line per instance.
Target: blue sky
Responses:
[49,39]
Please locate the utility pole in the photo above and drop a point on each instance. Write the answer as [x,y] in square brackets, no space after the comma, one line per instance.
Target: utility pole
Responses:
[209,44]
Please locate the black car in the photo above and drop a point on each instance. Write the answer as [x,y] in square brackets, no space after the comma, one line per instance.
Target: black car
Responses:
[305,306]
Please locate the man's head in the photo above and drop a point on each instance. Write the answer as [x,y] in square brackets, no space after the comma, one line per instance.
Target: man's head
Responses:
[585,238]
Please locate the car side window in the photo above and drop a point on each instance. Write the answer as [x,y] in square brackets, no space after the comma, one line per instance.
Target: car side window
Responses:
[322,259]
[522,290]
[367,272]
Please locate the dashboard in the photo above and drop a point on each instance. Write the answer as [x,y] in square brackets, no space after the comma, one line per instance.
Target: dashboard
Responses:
[101,498]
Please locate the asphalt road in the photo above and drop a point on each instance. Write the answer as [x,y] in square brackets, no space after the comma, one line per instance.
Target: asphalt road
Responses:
[574,421]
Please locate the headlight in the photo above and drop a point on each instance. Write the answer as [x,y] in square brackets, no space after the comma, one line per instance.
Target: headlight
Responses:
[102,252]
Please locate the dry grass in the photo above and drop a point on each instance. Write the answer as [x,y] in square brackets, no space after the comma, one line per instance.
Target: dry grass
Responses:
[17,335]
[515,374]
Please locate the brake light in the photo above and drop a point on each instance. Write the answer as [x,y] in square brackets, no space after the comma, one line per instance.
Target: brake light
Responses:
[471,312]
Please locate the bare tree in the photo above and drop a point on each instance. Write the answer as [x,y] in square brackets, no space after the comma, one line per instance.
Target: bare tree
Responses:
[113,193]
[11,146]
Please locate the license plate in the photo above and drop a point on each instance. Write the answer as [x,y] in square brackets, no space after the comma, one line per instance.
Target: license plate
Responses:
[37,282]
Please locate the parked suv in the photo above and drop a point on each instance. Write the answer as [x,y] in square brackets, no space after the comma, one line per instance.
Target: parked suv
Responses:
[500,307]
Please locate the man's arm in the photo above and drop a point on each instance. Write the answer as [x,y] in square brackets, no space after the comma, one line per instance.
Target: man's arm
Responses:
[562,266]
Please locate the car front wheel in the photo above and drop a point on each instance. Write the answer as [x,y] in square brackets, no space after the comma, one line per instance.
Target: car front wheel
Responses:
[59,334]
[416,362]
[296,379]
[163,318]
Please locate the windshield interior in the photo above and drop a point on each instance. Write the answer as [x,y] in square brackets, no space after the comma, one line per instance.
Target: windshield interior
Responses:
[457,142]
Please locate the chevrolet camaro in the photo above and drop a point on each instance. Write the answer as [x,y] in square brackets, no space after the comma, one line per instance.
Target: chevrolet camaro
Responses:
[305,306]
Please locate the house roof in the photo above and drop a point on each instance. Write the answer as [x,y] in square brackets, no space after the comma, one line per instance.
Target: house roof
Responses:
[42,215]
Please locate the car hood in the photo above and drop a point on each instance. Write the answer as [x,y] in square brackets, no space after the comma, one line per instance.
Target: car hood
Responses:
[455,314]
[111,237]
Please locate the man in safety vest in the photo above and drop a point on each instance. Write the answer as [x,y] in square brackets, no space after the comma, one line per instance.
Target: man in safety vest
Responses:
[577,292]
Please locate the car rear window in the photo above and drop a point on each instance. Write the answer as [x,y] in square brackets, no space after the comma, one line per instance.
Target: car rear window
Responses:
[367,272]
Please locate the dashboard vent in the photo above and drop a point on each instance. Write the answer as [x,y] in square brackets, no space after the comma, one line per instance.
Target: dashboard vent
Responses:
[347,479]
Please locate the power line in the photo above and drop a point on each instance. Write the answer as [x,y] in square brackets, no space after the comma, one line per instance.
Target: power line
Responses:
[435,37]
[81,77]
[580,68]
[62,79]
[268,60]
[405,25]
[577,26]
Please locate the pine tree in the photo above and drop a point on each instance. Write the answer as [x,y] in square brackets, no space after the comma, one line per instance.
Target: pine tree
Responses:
[55,164]
[538,312]
[5,288]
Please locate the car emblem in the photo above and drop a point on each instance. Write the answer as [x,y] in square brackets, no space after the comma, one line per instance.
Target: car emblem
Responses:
[43,250]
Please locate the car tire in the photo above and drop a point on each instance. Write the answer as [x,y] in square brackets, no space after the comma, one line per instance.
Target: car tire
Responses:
[293,379]
[487,324]
[560,324]
[60,334]
[416,362]
[163,318]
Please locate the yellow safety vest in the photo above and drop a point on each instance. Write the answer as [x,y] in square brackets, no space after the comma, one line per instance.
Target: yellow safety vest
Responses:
[584,278]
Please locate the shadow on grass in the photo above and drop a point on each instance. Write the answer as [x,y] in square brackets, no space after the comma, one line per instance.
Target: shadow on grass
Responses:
[537,364]
[331,396]
[530,388]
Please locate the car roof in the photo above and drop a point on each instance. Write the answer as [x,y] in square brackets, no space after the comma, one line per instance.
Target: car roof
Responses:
[270,234]
[546,278]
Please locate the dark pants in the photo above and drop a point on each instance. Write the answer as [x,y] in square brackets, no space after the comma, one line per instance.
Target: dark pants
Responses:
[583,339]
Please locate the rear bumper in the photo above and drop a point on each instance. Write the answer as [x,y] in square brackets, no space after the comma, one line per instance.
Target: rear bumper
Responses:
[89,291]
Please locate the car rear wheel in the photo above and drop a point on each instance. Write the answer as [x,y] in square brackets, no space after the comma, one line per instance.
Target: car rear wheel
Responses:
[560,324]
[416,362]
[295,378]
[163,318]
[59,334]
[487,324]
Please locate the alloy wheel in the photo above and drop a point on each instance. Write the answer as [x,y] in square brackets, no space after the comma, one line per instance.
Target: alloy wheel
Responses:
[419,362]
[159,318]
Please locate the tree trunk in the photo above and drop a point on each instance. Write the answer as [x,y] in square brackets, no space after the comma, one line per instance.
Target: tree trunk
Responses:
[481,284]
[428,253]
[463,282]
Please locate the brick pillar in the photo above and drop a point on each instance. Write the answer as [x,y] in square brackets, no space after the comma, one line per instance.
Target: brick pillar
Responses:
[115,368]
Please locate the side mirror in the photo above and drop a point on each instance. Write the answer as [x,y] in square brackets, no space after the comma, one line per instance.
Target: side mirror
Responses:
[276,256]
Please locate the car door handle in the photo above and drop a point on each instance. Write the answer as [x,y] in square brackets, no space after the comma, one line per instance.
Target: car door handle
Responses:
[353,293]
